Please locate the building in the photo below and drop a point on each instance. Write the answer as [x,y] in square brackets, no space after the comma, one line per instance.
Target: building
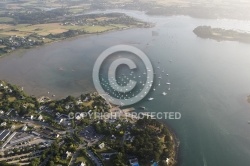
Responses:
[24,128]
[3,124]
[4,134]
[102,145]
[82,164]
[167,161]
[134,162]
[40,117]
[68,154]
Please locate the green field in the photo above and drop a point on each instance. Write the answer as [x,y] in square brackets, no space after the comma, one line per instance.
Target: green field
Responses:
[6,19]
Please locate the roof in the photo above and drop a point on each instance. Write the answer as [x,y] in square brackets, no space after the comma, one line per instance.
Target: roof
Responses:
[155,164]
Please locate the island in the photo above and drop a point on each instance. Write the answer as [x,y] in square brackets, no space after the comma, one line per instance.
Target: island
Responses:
[219,34]
[72,131]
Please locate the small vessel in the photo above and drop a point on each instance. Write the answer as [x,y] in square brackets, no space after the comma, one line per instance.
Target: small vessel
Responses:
[150,99]
[164,93]
[169,88]
[154,89]
[168,83]
[141,107]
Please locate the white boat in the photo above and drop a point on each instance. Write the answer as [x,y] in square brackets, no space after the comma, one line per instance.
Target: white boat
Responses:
[151,98]
[164,93]
[142,107]
[168,83]
[169,88]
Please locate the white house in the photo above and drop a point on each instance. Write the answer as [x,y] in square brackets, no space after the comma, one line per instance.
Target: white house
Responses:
[40,117]
[82,164]
[102,145]
[24,128]
[3,124]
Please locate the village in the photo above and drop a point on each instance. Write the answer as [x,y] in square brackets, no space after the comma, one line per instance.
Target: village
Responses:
[41,132]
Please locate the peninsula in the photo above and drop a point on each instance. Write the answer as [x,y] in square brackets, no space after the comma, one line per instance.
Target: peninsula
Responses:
[27,28]
[218,34]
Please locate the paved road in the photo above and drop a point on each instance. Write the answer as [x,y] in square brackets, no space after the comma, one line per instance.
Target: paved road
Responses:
[94,158]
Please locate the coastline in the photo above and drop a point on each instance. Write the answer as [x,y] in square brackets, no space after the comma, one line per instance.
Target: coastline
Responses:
[70,38]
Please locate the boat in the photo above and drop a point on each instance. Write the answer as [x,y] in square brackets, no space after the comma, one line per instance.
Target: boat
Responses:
[168,83]
[151,98]
[169,88]
[164,93]
[141,107]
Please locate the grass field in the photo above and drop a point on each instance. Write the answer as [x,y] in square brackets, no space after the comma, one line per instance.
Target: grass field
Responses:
[6,19]
[52,28]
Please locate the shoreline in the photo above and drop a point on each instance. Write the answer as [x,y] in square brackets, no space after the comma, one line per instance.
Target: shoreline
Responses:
[69,38]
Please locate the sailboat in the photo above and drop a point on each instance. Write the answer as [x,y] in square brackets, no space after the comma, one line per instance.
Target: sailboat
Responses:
[150,99]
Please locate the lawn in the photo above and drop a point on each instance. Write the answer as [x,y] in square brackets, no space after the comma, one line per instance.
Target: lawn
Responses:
[11,99]
[6,19]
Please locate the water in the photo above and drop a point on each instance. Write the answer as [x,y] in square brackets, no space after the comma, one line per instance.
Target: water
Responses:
[209,81]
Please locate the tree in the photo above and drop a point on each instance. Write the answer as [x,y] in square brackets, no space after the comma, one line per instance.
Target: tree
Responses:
[51,163]
[35,162]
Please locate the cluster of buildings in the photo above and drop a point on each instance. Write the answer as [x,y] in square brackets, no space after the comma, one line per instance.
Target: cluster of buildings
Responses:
[14,42]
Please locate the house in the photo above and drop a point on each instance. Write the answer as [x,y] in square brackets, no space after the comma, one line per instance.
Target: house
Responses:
[134,162]
[40,117]
[79,102]
[82,164]
[59,120]
[154,164]
[67,107]
[167,161]
[24,128]
[13,127]
[118,126]
[1,112]
[101,146]
[3,124]
[68,154]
